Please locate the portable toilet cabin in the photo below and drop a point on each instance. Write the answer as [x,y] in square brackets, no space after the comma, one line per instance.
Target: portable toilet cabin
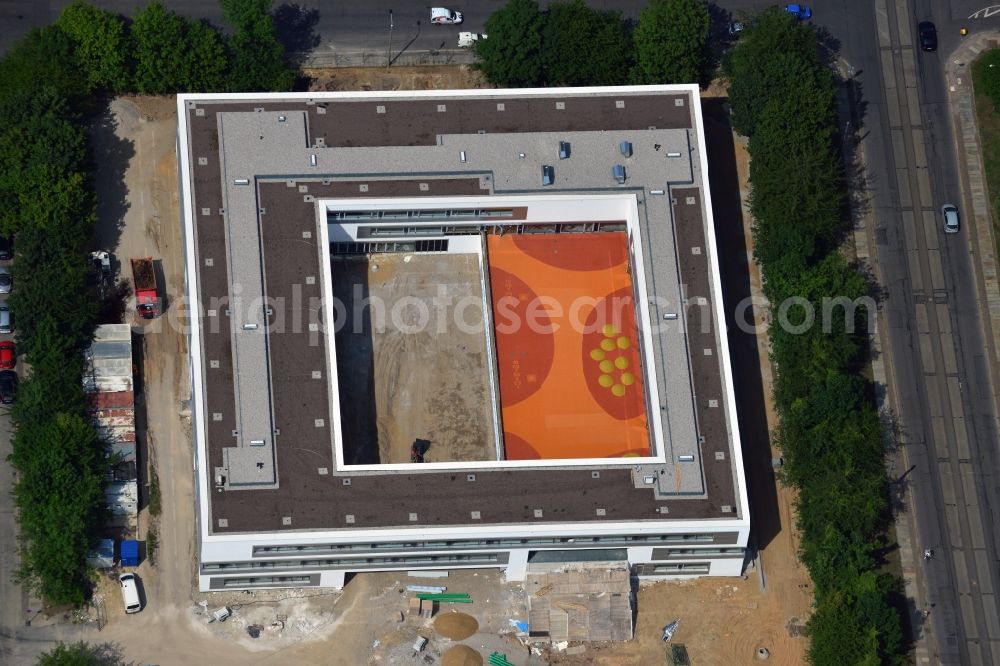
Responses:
[130,553]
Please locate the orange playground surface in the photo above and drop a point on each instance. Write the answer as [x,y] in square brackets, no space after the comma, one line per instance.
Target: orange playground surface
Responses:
[567,349]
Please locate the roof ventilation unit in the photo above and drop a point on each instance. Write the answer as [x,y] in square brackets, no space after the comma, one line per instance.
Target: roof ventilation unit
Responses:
[625,147]
[564,150]
[619,174]
[548,175]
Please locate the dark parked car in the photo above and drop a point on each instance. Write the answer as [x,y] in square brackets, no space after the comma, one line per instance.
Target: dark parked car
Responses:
[8,386]
[6,251]
[928,36]
[6,281]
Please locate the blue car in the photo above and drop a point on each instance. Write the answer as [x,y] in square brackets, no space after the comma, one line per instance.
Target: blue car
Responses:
[801,12]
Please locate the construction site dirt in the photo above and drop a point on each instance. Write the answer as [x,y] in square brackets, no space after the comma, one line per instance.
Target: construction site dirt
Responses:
[411,359]
[722,621]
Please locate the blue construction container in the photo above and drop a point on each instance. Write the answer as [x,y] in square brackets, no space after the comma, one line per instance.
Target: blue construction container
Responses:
[130,553]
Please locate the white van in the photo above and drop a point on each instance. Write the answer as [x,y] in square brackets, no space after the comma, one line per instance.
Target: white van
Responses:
[442,16]
[468,39]
[130,593]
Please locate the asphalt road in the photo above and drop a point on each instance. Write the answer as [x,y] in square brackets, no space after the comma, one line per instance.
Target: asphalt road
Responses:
[938,354]
[351,27]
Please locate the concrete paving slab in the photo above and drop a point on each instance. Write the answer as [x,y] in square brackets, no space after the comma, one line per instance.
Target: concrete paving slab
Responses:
[919,147]
[909,229]
[930,219]
[927,353]
[961,437]
[937,274]
[903,183]
[882,23]
[903,27]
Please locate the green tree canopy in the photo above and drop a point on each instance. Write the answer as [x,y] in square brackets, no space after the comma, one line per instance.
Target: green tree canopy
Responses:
[102,45]
[41,150]
[257,57]
[857,626]
[78,654]
[583,46]
[161,50]
[208,62]
[60,494]
[45,57]
[671,42]
[174,54]
[55,288]
[782,96]
[512,54]
[765,63]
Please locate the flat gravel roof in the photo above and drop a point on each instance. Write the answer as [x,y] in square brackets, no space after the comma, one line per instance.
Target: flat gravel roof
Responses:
[310,493]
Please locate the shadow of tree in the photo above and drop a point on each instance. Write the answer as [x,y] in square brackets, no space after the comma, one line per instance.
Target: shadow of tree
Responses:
[719,40]
[296,30]
[111,154]
[110,654]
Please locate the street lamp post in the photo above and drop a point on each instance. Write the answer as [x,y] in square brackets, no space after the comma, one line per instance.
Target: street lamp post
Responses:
[388,50]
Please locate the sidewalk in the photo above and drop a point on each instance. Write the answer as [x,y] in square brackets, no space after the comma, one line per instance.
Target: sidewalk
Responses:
[333,57]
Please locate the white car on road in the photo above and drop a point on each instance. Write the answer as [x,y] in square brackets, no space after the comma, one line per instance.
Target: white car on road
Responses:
[443,16]
[467,39]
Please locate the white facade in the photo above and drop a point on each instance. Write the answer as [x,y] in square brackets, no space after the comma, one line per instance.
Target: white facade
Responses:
[666,547]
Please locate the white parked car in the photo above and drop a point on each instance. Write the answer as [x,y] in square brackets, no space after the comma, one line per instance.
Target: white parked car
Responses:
[467,39]
[130,593]
[949,212]
[443,16]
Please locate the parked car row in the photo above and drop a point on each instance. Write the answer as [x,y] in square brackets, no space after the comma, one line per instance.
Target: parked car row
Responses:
[8,354]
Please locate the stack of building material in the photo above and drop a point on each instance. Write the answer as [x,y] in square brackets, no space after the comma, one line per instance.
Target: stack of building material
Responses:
[580,603]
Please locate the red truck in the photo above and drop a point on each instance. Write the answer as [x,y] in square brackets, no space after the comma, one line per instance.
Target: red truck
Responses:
[144,283]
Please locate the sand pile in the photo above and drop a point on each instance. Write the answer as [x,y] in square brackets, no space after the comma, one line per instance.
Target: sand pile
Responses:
[456,626]
[461,655]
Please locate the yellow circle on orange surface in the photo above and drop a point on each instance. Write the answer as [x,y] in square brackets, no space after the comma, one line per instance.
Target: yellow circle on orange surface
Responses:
[628,378]
[597,354]
[605,380]
[618,390]
[607,366]
[610,331]
[608,345]
[624,343]
[621,362]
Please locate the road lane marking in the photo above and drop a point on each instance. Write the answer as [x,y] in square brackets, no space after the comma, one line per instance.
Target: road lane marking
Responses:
[985,12]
